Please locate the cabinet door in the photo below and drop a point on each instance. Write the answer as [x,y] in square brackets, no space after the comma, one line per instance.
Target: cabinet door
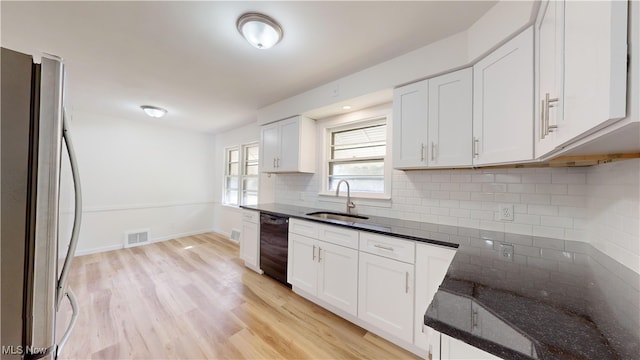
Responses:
[503,103]
[289,145]
[450,120]
[250,244]
[410,125]
[454,349]
[269,147]
[432,263]
[338,276]
[302,260]
[385,296]
[595,64]
[549,38]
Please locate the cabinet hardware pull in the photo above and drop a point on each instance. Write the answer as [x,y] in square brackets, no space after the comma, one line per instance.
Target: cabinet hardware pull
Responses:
[274,163]
[550,102]
[474,318]
[314,253]
[476,142]
[422,152]
[319,254]
[433,151]
[543,130]
[406,282]
[388,248]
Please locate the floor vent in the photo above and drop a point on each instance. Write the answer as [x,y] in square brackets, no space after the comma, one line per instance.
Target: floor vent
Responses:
[136,238]
[235,235]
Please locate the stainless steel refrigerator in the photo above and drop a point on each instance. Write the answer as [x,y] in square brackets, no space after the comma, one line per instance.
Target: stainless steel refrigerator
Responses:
[35,262]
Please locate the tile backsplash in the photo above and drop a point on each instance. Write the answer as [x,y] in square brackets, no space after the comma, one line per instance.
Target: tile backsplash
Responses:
[598,204]
[548,202]
[614,210]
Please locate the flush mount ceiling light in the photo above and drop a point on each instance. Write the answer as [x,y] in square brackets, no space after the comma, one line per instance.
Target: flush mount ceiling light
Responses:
[154,111]
[346,107]
[259,30]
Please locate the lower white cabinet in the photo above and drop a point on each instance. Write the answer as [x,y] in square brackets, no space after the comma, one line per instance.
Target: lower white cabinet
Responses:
[250,240]
[432,263]
[454,349]
[324,270]
[386,291]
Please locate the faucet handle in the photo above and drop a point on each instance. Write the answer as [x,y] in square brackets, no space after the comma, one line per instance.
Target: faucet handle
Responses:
[351,205]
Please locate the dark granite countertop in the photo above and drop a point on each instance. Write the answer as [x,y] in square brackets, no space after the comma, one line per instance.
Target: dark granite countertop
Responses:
[546,299]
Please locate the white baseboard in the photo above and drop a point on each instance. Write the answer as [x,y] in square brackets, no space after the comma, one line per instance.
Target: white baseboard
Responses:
[154,240]
[99,250]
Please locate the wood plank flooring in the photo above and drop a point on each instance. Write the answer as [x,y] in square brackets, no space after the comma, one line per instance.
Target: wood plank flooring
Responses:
[192,298]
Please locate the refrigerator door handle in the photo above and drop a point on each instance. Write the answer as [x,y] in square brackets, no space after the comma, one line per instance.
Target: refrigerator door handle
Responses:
[62,282]
[72,322]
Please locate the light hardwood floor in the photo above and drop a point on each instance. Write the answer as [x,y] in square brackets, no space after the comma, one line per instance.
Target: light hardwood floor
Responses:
[193,298]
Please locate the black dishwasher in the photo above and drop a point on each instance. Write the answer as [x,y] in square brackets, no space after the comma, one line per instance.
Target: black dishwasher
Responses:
[274,246]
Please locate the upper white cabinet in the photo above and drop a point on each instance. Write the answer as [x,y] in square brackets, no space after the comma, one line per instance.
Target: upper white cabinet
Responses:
[503,103]
[582,69]
[288,146]
[432,263]
[549,45]
[432,122]
[450,119]
[410,122]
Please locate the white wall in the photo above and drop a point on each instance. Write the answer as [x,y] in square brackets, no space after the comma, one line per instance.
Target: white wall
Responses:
[229,218]
[503,20]
[140,175]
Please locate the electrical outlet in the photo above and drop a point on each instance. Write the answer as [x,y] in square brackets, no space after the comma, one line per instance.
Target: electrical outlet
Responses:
[506,212]
[506,251]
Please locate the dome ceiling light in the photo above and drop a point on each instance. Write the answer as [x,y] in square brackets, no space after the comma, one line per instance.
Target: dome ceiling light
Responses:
[259,30]
[154,111]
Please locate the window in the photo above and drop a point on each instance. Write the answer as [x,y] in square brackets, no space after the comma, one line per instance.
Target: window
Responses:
[241,175]
[357,154]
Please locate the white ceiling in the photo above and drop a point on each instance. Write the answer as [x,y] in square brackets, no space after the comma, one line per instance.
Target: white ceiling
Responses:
[189,58]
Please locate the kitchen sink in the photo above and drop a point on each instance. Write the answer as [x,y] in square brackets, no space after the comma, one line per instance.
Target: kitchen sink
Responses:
[337,216]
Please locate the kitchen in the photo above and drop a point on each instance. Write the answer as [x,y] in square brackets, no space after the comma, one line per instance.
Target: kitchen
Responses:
[122,161]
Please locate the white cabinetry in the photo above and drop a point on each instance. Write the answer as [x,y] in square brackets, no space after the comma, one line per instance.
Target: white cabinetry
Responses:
[582,70]
[432,263]
[454,349]
[322,268]
[288,146]
[503,103]
[549,45]
[410,121]
[450,119]
[250,240]
[432,122]
[386,286]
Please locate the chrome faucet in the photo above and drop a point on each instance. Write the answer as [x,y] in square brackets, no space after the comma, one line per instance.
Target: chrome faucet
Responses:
[350,204]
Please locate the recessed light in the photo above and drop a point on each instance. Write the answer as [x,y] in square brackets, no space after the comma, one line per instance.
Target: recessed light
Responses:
[259,30]
[154,111]
[346,107]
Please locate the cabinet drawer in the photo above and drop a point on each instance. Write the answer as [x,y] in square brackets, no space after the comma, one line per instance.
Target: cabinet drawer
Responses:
[387,246]
[301,227]
[338,235]
[251,216]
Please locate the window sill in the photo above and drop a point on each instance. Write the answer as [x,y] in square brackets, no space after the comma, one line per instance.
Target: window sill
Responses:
[374,200]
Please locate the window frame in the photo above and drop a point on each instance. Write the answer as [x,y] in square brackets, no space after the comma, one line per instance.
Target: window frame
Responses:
[350,122]
[242,175]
